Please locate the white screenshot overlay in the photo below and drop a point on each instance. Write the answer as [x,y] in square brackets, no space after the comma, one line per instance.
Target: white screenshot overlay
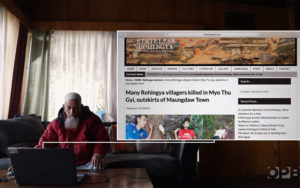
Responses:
[208,85]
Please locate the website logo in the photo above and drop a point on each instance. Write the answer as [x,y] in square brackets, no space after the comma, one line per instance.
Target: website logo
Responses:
[283,173]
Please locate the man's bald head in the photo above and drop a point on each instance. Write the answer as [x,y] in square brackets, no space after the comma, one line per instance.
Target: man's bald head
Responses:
[73,96]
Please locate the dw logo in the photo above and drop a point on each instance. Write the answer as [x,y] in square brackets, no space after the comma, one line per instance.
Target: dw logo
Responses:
[283,173]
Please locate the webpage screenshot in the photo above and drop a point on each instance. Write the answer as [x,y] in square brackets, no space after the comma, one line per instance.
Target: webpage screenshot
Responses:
[208,85]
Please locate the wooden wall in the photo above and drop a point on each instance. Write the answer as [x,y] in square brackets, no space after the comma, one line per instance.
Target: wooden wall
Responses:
[159,14]
[221,159]
[246,158]
[297,14]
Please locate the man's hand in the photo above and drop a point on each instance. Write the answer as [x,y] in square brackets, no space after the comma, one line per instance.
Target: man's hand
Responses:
[150,126]
[10,171]
[97,161]
[175,132]
[150,132]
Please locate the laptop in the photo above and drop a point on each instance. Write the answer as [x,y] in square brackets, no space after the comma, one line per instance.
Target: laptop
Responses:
[45,167]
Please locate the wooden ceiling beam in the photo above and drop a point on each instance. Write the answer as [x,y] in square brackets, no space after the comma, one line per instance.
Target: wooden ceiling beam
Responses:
[16,11]
[111,26]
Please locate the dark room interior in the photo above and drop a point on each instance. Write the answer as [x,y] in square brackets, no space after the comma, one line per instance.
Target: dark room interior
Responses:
[224,163]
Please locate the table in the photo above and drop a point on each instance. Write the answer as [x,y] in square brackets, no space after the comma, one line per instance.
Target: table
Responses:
[123,177]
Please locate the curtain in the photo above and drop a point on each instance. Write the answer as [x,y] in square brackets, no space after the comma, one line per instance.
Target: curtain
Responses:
[111,81]
[83,62]
[9,28]
[36,92]
[16,89]
[26,68]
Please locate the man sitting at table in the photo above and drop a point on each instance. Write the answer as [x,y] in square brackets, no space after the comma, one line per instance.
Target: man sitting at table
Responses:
[76,123]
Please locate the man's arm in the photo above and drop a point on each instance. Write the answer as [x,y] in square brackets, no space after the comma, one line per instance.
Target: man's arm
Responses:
[128,131]
[194,134]
[150,133]
[99,134]
[175,133]
[50,134]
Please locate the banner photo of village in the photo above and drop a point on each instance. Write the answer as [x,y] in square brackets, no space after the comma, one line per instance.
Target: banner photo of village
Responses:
[210,51]
[179,127]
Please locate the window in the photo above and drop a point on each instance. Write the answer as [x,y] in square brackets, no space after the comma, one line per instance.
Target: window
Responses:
[78,62]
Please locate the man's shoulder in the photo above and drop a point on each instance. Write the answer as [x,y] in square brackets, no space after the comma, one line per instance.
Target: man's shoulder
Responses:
[88,115]
[144,131]
[188,130]
[192,131]
[54,124]
[94,117]
[92,120]
[130,126]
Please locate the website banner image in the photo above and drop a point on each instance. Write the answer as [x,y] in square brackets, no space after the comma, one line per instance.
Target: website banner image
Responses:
[199,85]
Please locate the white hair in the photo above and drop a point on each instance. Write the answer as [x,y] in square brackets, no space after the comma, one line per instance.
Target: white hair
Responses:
[72,96]
[71,122]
